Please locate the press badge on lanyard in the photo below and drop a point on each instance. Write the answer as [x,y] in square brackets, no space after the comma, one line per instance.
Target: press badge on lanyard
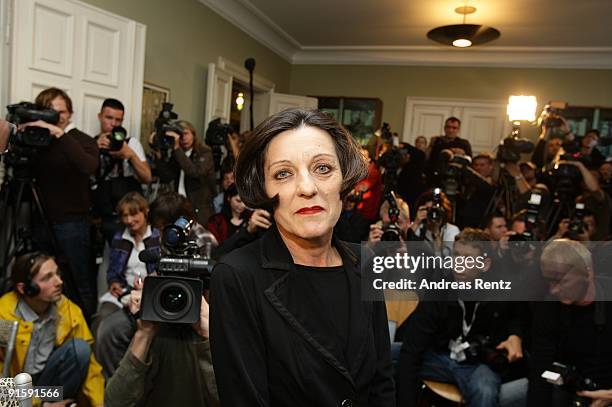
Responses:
[458,346]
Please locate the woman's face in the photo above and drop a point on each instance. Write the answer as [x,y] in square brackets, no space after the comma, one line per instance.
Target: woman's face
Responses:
[236,204]
[187,139]
[302,167]
[136,222]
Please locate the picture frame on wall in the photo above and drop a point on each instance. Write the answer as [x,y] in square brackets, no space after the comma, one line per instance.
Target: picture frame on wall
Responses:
[153,96]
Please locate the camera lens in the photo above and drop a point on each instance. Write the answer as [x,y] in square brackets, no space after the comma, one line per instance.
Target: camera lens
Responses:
[173,299]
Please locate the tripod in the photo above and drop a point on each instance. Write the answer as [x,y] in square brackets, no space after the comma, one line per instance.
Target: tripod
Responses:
[504,194]
[16,236]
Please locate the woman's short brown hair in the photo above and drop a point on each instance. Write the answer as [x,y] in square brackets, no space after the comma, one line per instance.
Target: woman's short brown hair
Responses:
[133,202]
[45,98]
[249,169]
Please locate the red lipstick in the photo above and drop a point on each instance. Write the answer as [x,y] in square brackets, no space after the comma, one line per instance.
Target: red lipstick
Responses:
[310,210]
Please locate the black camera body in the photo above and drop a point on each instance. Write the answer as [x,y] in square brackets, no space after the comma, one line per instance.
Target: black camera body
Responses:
[217,132]
[165,122]
[576,225]
[566,177]
[531,219]
[436,213]
[569,377]
[175,295]
[117,137]
[511,148]
[392,231]
[26,112]
[481,350]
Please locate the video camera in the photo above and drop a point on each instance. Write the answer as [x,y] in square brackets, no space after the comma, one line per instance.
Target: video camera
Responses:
[511,148]
[454,173]
[175,295]
[566,177]
[216,137]
[166,121]
[32,136]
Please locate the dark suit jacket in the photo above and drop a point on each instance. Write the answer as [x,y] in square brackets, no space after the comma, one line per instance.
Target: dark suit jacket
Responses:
[199,177]
[264,356]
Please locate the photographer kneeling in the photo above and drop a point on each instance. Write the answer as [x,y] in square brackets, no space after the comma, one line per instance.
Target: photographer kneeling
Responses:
[165,365]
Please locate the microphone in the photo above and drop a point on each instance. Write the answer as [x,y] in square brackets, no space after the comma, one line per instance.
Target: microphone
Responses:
[149,256]
[23,383]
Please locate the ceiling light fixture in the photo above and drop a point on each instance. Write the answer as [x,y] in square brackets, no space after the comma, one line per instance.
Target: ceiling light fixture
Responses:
[463,35]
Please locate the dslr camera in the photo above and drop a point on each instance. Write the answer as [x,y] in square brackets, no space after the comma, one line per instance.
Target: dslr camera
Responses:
[436,213]
[26,112]
[175,295]
[576,225]
[482,350]
[392,231]
[166,121]
[117,137]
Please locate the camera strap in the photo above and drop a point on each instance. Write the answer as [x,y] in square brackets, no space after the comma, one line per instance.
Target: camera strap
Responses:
[458,346]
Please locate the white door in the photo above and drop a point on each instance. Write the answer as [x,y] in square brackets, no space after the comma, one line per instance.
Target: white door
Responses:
[483,123]
[86,51]
[218,95]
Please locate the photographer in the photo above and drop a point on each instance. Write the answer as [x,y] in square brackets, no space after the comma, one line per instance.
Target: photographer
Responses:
[574,330]
[398,228]
[436,339]
[165,365]
[53,341]
[189,169]
[449,141]
[123,165]
[227,179]
[431,220]
[63,170]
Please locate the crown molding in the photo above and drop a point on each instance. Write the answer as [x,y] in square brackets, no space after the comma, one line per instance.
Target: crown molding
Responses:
[244,15]
[484,56]
[248,18]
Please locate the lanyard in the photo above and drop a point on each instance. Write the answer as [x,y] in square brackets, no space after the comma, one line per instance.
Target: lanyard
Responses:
[465,327]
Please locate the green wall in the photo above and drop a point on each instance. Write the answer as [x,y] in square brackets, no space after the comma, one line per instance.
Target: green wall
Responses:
[183,37]
[393,84]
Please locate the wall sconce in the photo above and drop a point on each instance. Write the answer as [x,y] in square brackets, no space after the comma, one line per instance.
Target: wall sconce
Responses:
[240,101]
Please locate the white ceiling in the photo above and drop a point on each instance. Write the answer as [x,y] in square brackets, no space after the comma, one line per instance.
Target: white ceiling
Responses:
[544,33]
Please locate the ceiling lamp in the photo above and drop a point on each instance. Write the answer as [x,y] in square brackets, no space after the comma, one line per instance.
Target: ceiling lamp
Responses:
[463,35]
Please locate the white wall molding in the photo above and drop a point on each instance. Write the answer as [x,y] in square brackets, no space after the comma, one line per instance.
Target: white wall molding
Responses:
[510,57]
[249,19]
[244,15]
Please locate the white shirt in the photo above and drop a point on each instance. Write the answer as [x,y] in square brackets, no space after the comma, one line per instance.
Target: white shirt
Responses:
[135,145]
[181,184]
[135,267]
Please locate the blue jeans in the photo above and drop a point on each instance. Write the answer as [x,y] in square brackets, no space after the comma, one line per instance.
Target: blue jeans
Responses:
[478,384]
[67,366]
[74,240]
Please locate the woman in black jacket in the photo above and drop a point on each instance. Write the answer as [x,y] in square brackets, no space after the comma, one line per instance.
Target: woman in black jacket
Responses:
[288,324]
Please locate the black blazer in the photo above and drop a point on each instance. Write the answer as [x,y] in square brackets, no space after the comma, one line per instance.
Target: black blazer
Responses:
[263,355]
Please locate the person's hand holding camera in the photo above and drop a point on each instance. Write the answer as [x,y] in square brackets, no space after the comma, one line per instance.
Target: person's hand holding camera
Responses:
[176,137]
[201,327]
[562,228]
[115,288]
[419,218]
[55,131]
[376,232]
[513,347]
[260,218]
[601,398]
[124,153]
[103,141]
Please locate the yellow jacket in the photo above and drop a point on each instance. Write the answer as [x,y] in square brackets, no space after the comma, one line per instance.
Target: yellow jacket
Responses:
[71,324]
